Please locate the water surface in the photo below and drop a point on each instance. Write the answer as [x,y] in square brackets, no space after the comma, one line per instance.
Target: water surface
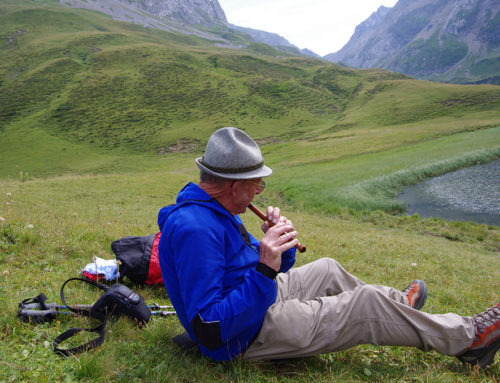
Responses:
[470,194]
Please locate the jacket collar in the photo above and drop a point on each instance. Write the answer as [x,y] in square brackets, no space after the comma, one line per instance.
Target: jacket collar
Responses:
[193,194]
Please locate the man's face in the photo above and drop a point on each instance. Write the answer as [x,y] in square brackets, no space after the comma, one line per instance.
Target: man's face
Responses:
[246,191]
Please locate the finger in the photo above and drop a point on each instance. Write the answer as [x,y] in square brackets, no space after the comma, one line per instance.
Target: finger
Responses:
[273,214]
[285,221]
[287,237]
[276,214]
[281,229]
[288,245]
[270,213]
[265,226]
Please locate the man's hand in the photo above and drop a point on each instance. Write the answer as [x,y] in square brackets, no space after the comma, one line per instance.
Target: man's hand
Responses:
[273,217]
[277,238]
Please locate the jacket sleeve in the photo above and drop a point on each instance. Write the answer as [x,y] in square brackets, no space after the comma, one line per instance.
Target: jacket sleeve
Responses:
[287,260]
[217,316]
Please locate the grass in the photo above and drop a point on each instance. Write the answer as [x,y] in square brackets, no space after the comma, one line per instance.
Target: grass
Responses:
[77,217]
[100,123]
[369,180]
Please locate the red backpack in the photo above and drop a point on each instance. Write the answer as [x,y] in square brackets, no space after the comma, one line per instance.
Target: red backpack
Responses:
[138,258]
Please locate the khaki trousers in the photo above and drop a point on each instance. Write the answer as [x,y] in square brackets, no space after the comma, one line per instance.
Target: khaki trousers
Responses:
[321,308]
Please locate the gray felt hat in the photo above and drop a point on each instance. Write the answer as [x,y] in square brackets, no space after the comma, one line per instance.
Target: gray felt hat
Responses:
[231,153]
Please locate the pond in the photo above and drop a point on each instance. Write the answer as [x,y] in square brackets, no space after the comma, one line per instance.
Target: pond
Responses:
[470,194]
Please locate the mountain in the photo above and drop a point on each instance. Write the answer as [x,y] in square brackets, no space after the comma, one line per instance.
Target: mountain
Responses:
[272,39]
[88,79]
[77,87]
[202,18]
[454,41]
[162,14]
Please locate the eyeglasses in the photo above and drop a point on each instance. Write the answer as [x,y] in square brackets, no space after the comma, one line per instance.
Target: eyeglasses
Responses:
[261,185]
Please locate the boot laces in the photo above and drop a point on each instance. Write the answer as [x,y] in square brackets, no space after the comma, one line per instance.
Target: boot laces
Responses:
[408,288]
[487,318]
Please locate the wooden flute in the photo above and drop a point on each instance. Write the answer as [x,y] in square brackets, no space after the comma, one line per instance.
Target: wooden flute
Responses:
[301,248]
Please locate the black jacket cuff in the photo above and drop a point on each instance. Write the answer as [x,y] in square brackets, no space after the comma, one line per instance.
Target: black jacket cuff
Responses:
[266,270]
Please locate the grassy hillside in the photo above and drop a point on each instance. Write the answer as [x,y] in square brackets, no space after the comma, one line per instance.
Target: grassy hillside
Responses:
[72,78]
[100,122]
[74,218]
[115,85]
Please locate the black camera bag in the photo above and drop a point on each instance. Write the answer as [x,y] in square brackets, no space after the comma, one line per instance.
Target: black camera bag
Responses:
[118,300]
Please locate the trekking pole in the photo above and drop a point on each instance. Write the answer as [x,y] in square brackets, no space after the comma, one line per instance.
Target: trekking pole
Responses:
[155,306]
[163,313]
[37,310]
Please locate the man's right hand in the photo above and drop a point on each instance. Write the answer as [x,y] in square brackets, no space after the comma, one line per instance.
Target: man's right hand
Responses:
[276,240]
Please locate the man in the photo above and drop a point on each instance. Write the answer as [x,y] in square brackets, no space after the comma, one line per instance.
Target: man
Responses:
[236,296]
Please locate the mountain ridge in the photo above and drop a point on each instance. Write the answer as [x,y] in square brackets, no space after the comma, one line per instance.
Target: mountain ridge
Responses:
[449,40]
[202,18]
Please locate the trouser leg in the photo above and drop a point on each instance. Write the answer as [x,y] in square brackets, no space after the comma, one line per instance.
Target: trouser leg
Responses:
[322,278]
[365,315]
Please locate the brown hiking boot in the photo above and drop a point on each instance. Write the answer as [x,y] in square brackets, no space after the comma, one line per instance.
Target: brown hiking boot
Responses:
[416,292]
[487,340]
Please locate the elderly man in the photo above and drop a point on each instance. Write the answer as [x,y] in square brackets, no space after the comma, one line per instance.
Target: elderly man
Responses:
[236,296]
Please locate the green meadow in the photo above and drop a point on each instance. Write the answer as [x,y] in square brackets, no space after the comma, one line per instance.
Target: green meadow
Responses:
[100,123]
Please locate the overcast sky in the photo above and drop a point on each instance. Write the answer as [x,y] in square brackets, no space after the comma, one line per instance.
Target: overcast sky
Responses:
[323,26]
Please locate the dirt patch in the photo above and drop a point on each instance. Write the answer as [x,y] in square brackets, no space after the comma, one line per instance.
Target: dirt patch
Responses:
[181,146]
[452,101]
[12,39]
[266,140]
[93,49]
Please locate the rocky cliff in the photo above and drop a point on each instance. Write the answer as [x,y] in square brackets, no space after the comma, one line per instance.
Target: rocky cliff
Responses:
[200,12]
[150,12]
[204,18]
[444,40]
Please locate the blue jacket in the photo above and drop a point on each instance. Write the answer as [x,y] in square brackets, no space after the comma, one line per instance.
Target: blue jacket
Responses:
[211,271]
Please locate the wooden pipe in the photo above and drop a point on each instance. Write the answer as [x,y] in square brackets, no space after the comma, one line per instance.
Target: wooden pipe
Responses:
[301,248]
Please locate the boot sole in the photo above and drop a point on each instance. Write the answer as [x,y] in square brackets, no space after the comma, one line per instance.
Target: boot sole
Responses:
[484,357]
[422,297]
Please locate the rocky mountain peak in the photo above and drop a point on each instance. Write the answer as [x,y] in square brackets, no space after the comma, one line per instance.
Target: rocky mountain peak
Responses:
[204,18]
[376,19]
[200,12]
[444,40]
[158,13]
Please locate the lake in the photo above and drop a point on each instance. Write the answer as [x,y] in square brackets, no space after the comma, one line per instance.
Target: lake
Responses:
[470,194]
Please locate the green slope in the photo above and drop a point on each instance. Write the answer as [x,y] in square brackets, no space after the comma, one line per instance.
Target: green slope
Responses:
[81,93]
[113,84]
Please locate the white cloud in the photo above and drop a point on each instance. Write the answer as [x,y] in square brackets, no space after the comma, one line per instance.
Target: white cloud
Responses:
[324,26]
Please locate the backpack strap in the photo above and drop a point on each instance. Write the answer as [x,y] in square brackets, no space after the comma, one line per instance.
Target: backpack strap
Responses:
[100,329]
[90,282]
[75,330]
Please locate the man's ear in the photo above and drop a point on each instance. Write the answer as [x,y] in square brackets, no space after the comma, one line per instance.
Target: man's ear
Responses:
[234,187]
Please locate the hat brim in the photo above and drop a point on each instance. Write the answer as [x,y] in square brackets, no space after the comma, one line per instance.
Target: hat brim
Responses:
[263,171]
